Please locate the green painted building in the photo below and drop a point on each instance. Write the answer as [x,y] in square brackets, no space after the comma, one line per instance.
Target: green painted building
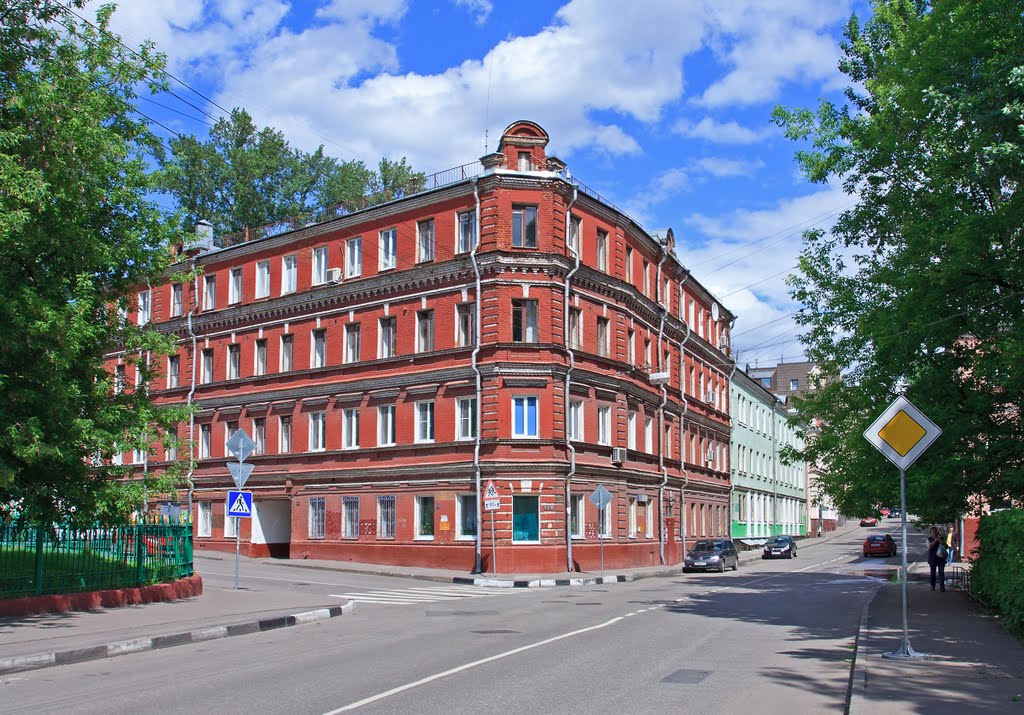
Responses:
[768,496]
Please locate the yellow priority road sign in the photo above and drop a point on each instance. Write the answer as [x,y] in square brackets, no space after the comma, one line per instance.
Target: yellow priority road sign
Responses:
[902,433]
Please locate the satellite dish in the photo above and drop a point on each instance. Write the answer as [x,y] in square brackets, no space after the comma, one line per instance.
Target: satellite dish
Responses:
[714,311]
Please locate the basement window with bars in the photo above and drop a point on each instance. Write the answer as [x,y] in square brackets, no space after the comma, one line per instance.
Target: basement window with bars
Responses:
[350,517]
[317,517]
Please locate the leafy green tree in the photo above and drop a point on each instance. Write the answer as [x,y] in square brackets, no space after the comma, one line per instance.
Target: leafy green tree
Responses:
[78,235]
[919,288]
[243,176]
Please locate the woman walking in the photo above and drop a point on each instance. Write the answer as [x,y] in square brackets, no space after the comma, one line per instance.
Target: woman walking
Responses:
[937,558]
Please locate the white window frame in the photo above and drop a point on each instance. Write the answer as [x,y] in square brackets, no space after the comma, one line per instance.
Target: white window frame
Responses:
[234,361]
[604,424]
[289,273]
[317,518]
[230,526]
[649,434]
[632,516]
[522,216]
[385,425]
[317,432]
[576,421]
[419,503]
[425,331]
[350,428]
[530,403]
[210,292]
[145,313]
[465,418]
[320,260]
[387,343]
[284,434]
[649,526]
[177,299]
[259,357]
[603,331]
[575,237]
[259,435]
[424,425]
[465,231]
[386,516]
[173,371]
[205,440]
[262,279]
[601,259]
[235,285]
[287,356]
[578,509]
[354,257]
[465,324]
[350,517]
[575,329]
[425,240]
[204,520]
[604,526]
[352,342]
[206,355]
[388,244]
[318,348]
[461,503]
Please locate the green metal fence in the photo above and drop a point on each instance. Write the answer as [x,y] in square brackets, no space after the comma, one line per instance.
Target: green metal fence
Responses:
[49,560]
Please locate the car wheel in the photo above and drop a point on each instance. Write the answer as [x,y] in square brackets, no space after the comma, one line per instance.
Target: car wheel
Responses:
[790,554]
[736,564]
[721,566]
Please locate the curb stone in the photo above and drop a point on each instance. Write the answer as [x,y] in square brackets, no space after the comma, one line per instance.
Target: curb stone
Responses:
[22,663]
[857,688]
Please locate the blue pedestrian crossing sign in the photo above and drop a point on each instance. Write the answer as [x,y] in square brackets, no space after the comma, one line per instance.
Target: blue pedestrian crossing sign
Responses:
[240,504]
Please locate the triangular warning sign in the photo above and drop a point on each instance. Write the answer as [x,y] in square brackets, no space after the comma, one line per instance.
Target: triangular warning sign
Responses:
[491,492]
[240,506]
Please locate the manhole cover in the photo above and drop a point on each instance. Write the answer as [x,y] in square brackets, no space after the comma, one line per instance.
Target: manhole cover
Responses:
[687,677]
[496,632]
[586,603]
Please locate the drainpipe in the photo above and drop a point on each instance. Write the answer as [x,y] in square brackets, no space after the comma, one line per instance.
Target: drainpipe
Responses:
[568,382]
[661,411]
[682,420]
[192,391]
[732,487]
[775,486]
[477,561]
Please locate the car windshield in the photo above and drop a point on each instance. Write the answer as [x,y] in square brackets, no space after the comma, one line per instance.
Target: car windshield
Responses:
[876,538]
[707,545]
[778,541]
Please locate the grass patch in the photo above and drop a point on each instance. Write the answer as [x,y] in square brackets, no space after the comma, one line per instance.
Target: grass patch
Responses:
[73,572]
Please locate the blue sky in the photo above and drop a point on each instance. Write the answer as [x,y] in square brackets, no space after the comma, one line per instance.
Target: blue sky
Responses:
[660,105]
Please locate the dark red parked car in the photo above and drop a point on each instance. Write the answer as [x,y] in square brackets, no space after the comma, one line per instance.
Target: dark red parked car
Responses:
[879,545]
[869,521]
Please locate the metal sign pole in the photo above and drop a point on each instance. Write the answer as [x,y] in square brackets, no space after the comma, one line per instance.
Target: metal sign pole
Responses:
[905,650]
[494,551]
[600,536]
[238,542]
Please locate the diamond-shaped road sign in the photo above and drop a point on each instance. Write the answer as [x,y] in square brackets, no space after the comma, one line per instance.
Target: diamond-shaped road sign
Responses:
[600,497]
[241,445]
[240,472]
[902,433]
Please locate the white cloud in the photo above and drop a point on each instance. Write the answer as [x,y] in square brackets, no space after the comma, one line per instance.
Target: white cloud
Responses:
[480,9]
[744,256]
[721,168]
[712,130]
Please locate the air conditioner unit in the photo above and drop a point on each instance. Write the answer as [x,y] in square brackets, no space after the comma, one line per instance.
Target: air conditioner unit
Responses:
[334,275]
[618,455]
[710,456]
[709,397]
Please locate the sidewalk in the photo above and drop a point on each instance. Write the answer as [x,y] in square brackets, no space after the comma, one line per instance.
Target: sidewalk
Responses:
[973,665]
[55,639]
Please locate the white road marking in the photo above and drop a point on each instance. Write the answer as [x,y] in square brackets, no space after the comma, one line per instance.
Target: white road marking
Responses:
[435,594]
[467,666]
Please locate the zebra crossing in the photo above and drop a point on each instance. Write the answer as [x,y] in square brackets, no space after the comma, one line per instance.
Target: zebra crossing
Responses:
[426,594]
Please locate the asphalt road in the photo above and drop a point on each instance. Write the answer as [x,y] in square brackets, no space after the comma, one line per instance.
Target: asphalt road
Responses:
[776,636]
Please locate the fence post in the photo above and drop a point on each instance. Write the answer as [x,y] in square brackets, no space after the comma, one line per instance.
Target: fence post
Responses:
[140,550]
[40,541]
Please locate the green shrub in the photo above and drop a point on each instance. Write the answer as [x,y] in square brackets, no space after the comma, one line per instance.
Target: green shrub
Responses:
[997,576]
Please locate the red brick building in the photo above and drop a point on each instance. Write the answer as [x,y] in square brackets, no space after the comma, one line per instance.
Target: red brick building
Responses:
[509,326]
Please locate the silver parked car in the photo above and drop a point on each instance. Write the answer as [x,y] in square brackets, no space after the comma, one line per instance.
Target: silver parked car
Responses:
[712,555]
